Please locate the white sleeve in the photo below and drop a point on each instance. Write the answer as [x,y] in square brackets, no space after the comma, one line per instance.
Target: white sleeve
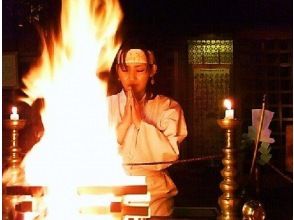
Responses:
[157,143]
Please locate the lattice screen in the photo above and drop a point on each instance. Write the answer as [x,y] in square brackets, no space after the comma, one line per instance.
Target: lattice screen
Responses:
[211,65]
[210,51]
[211,87]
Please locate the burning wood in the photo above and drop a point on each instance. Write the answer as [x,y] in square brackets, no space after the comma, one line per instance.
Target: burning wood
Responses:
[24,206]
[34,191]
[116,190]
[142,211]
[132,200]
[115,207]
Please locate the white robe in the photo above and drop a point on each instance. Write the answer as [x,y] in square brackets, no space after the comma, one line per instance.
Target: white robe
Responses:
[163,127]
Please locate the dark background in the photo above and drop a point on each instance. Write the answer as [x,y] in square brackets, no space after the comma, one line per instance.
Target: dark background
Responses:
[187,17]
[164,18]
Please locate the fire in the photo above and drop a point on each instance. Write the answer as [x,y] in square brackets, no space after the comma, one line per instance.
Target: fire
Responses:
[78,146]
[76,138]
[14,110]
[227,103]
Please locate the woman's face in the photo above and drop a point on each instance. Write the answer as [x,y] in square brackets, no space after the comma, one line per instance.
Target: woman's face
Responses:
[135,76]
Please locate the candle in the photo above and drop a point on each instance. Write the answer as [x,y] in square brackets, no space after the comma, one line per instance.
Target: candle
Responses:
[229,113]
[14,115]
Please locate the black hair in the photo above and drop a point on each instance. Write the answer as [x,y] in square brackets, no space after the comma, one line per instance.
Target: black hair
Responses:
[114,85]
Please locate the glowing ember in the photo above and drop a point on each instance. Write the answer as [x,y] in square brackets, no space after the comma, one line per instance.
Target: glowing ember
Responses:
[78,147]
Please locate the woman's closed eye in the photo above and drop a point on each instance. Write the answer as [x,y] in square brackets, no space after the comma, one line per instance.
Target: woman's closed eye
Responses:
[141,68]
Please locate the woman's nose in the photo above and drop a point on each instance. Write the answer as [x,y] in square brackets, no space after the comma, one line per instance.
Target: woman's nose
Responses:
[132,75]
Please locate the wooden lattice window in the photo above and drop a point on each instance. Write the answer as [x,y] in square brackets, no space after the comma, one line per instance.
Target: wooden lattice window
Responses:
[210,62]
[210,51]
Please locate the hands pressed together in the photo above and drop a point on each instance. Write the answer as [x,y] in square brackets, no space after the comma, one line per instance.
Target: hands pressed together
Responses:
[132,115]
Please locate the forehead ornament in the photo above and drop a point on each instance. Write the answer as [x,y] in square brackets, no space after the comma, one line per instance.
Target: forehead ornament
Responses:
[135,56]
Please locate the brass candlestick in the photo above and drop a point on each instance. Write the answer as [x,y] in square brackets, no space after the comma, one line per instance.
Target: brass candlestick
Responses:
[14,174]
[14,158]
[228,201]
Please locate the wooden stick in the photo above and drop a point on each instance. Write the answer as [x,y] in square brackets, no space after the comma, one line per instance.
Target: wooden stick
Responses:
[116,190]
[36,191]
[116,207]
[24,206]
[258,134]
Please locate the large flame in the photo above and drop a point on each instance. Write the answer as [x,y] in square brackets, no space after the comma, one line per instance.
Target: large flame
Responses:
[77,137]
[78,146]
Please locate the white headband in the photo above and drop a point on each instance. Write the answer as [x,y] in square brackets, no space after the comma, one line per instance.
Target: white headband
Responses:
[137,56]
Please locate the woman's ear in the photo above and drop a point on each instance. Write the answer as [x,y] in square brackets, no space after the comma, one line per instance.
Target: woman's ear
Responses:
[153,70]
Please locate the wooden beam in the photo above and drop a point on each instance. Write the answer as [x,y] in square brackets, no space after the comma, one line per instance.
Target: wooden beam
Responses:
[116,190]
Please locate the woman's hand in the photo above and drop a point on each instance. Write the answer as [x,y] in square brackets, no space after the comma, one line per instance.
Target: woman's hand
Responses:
[131,115]
[135,110]
[127,117]
[126,120]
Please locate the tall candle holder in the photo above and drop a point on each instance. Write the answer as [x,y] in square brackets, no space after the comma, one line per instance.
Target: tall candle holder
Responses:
[14,173]
[14,158]
[228,201]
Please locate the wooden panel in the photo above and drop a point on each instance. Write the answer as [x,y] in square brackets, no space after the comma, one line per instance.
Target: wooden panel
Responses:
[211,87]
[263,65]
[10,70]
[289,148]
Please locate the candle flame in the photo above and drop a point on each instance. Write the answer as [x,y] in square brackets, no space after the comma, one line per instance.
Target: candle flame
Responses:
[14,110]
[227,103]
